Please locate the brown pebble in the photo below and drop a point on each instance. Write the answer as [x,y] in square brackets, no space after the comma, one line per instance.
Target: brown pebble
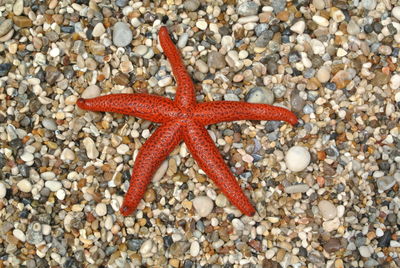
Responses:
[150,195]
[22,21]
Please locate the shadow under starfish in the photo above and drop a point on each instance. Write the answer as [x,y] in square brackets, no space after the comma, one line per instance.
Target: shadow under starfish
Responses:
[183,119]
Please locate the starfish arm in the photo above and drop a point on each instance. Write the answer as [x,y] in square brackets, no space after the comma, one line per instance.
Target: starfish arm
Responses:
[150,107]
[185,95]
[221,111]
[210,160]
[153,152]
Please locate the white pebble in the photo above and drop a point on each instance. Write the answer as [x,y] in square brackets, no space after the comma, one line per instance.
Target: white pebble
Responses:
[194,249]
[101,209]
[90,147]
[297,158]
[321,21]
[166,81]
[298,27]
[323,74]
[91,91]
[27,157]
[365,251]
[395,81]
[396,12]
[146,247]
[238,224]
[3,190]
[54,52]
[54,186]
[122,149]
[60,194]
[327,209]
[48,175]
[161,171]
[379,232]
[98,30]
[19,235]
[331,225]
[24,186]
[203,205]
[201,24]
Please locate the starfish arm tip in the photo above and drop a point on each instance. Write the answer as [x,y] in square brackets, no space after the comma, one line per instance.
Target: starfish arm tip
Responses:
[81,103]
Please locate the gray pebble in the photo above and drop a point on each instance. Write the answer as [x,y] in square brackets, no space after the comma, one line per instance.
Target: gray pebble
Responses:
[264,38]
[34,233]
[191,5]
[122,34]
[5,27]
[216,60]
[49,123]
[248,8]
[279,90]
[260,95]
[385,183]
[179,248]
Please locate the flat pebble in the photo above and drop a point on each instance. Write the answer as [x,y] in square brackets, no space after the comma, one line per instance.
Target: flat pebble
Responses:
[5,27]
[260,95]
[101,209]
[385,183]
[91,150]
[297,158]
[54,186]
[49,124]
[216,60]
[396,12]
[24,186]
[91,91]
[191,5]
[298,27]
[98,30]
[365,251]
[122,34]
[194,249]
[327,209]
[203,205]
[297,188]
[19,235]
[27,156]
[146,247]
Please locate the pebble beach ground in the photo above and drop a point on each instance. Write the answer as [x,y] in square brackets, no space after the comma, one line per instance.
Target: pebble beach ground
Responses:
[326,192]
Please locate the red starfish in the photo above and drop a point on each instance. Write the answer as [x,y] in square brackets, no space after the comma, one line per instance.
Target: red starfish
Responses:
[183,119]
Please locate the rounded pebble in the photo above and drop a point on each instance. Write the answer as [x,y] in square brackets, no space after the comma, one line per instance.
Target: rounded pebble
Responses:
[122,34]
[24,186]
[101,209]
[203,205]
[327,209]
[297,158]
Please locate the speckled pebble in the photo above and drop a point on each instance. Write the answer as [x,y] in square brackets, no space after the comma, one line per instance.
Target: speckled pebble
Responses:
[327,209]
[122,34]
[101,209]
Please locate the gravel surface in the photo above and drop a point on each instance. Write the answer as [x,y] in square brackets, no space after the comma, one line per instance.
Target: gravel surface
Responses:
[326,192]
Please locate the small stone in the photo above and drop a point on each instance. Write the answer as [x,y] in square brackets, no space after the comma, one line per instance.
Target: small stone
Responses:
[18,7]
[194,249]
[319,4]
[331,225]
[91,91]
[191,5]
[317,47]
[101,209]
[67,154]
[52,74]
[221,201]
[202,25]
[19,235]
[54,186]
[337,15]
[332,245]
[297,188]
[238,224]
[179,248]
[395,81]
[161,171]
[166,81]
[342,79]
[364,251]
[323,74]
[380,79]
[122,34]
[54,52]
[297,158]
[385,183]
[248,8]
[203,205]
[146,247]
[5,27]
[141,50]
[149,195]
[27,157]
[321,21]
[3,190]
[24,186]
[49,124]
[90,147]
[396,12]
[4,69]
[368,4]
[48,175]
[327,209]
[260,95]
[353,28]
[22,21]
[216,60]
[98,30]
[298,27]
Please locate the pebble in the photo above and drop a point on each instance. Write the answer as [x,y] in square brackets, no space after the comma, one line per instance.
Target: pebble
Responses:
[24,185]
[27,157]
[146,247]
[54,186]
[122,34]
[260,95]
[19,235]
[396,12]
[202,25]
[5,27]
[49,124]
[101,209]
[98,30]
[297,158]
[194,249]
[18,7]
[323,75]
[327,209]
[91,150]
[321,21]
[395,81]
[368,4]
[91,91]
[203,205]
[22,21]
[216,60]
[297,188]
[365,251]
[385,183]
[3,190]
[191,5]
[298,27]
[248,8]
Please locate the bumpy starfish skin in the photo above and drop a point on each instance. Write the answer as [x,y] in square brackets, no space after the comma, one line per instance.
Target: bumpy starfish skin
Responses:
[183,119]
